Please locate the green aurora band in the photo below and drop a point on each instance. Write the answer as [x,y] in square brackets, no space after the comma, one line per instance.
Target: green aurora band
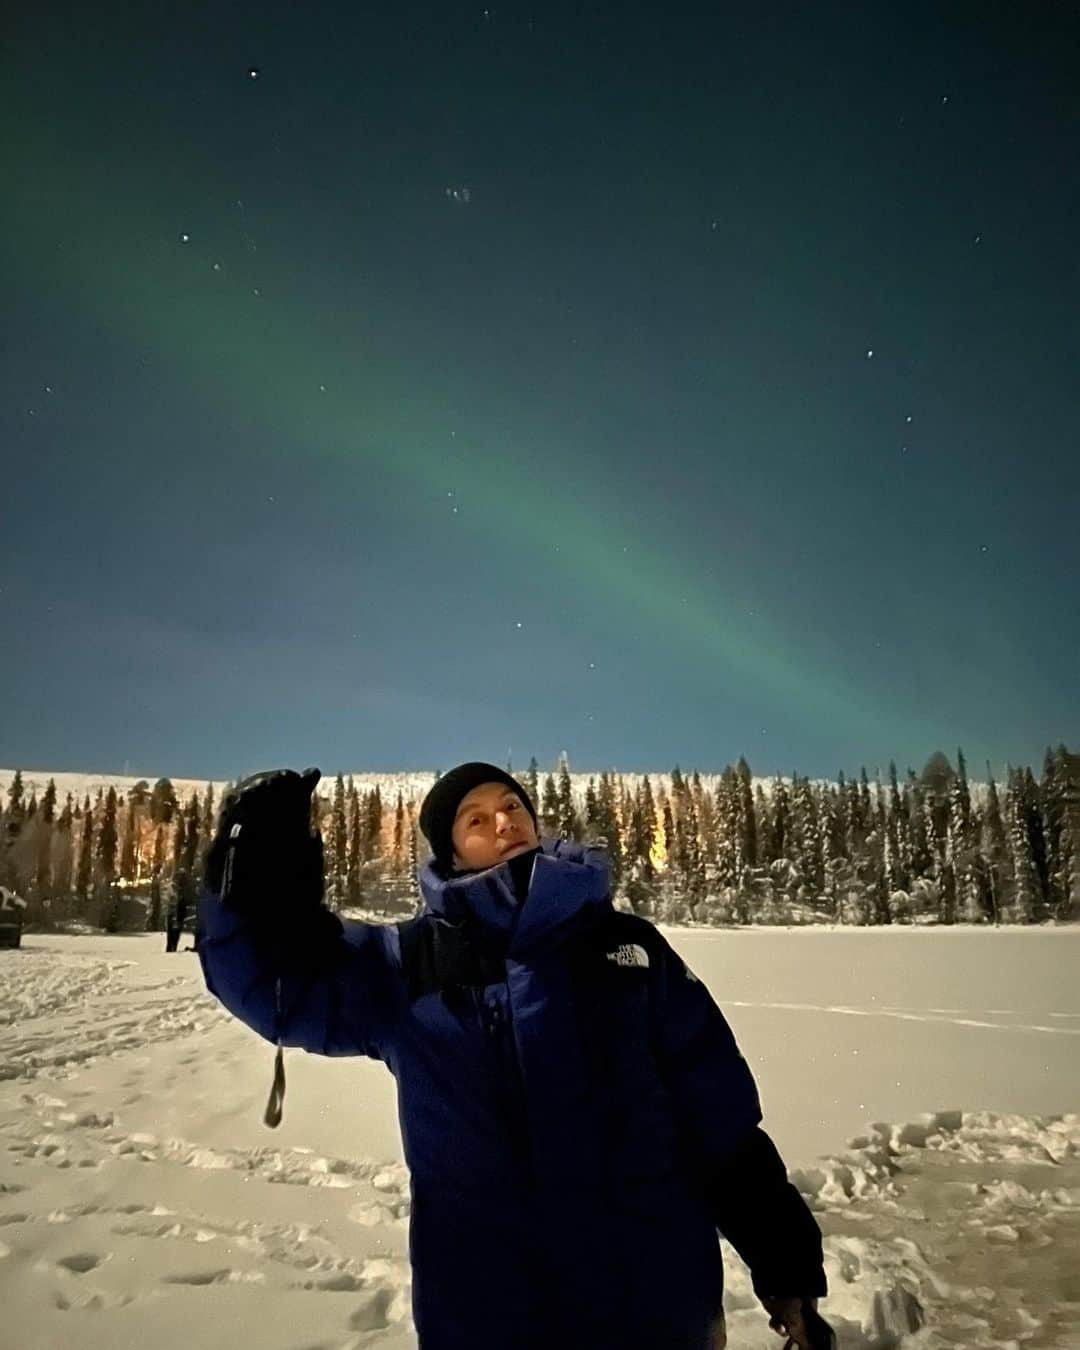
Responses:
[121,260]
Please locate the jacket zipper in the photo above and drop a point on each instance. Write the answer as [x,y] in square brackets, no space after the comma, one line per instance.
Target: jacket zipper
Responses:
[511,1080]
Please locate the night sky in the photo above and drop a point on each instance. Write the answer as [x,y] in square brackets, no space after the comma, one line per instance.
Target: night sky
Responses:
[390,386]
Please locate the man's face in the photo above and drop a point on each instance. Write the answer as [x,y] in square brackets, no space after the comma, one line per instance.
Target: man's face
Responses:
[491,825]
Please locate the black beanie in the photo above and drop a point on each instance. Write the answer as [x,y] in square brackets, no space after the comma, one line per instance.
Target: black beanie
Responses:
[439,807]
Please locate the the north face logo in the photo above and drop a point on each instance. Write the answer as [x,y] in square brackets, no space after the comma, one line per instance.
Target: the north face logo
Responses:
[629,954]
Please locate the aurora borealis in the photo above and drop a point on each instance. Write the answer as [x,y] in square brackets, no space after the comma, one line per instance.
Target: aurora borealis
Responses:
[654,387]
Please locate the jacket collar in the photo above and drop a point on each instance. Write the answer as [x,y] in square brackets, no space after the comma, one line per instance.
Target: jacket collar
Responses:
[570,890]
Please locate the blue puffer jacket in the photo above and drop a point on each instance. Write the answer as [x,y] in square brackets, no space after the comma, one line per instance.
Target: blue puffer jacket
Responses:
[577,1118]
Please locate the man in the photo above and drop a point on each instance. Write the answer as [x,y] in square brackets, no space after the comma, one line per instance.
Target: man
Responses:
[577,1118]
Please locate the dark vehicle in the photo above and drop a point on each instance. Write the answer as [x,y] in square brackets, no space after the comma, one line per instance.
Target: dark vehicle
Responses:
[11,917]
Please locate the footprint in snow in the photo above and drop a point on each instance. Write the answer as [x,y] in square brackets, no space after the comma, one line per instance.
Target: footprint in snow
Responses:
[81,1262]
[226,1275]
[373,1313]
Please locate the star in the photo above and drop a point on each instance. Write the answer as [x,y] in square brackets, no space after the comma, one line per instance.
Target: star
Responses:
[592,665]
[907,418]
[322,388]
[254,72]
[217,267]
[519,624]
[185,238]
[869,353]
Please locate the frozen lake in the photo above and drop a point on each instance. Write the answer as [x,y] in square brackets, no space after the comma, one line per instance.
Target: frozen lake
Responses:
[142,1201]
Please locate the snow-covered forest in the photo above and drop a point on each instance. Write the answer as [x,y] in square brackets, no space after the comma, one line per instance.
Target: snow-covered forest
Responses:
[686,848]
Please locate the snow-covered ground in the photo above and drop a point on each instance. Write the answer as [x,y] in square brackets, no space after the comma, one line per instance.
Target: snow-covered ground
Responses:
[143,1202]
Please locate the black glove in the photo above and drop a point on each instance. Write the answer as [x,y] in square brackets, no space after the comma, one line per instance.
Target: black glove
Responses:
[264,855]
[799,1320]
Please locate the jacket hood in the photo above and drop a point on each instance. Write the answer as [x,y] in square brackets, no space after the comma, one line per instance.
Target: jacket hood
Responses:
[570,890]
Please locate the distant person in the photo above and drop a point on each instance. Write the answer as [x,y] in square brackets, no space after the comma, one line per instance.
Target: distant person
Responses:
[577,1118]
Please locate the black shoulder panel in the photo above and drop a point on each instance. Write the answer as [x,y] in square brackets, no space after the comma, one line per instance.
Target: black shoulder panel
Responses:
[436,956]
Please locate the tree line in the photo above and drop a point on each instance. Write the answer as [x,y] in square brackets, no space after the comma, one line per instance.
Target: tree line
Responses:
[778,851]
[123,862]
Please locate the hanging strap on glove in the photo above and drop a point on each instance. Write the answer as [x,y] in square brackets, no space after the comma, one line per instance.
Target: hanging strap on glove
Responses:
[266,862]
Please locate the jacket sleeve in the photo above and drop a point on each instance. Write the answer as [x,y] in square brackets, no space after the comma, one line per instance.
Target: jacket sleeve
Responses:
[326,986]
[716,1101]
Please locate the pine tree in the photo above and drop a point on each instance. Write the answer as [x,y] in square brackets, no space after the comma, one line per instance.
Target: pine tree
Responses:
[567,817]
[865,810]
[85,863]
[185,853]
[207,822]
[921,852]
[356,831]
[177,904]
[962,846]
[529,781]
[16,809]
[646,829]
[414,860]
[63,872]
[1069,844]
[43,858]
[154,916]
[373,825]
[780,819]
[1036,833]
[879,892]
[996,847]
[591,806]
[193,843]
[896,877]
[608,827]
[1024,879]
[14,818]
[706,811]
[747,823]
[727,829]
[1051,792]
[107,842]
[336,858]
[163,803]
[129,849]
[671,843]
[808,850]
[694,873]
[832,844]
[399,837]
[549,806]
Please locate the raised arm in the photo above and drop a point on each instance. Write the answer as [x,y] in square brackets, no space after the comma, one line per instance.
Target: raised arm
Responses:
[270,950]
